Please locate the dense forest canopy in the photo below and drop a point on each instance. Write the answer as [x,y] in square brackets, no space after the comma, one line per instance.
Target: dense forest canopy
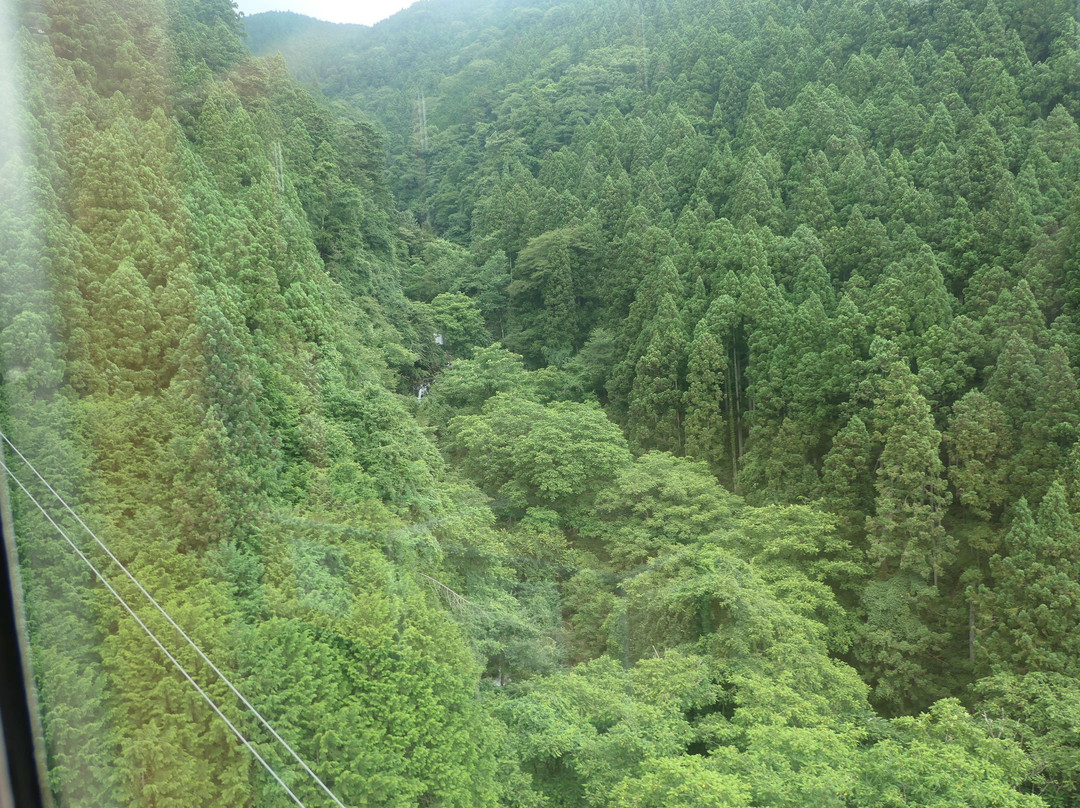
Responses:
[605,403]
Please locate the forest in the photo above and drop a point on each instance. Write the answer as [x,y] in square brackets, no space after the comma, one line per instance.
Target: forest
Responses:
[549,403]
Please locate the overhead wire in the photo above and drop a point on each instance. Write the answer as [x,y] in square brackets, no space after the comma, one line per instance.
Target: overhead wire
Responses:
[202,655]
[157,642]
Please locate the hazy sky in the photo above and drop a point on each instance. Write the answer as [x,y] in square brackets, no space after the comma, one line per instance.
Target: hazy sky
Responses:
[367,12]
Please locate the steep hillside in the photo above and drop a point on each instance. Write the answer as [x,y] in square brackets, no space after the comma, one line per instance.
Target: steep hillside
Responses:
[598,403]
[308,44]
[827,249]
[198,265]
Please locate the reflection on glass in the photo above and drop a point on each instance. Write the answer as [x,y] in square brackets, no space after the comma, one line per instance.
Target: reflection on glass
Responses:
[588,404]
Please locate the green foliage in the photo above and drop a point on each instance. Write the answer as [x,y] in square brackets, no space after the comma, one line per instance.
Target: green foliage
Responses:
[658,502]
[655,416]
[528,454]
[1030,622]
[463,388]
[551,295]
[898,646]
[977,447]
[681,781]
[178,359]
[827,252]
[943,757]
[906,531]
[460,322]
[1038,711]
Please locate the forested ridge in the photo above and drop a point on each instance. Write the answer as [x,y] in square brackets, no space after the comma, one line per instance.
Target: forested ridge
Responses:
[604,403]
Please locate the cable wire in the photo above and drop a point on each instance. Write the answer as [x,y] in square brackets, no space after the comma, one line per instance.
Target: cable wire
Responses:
[153,637]
[172,622]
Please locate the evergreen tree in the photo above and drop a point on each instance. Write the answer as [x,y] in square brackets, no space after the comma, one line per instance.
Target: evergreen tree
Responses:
[977,444]
[655,412]
[707,381]
[1027,622]
[906,531]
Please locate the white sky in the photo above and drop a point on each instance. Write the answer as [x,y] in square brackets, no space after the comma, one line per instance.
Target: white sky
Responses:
[366,12]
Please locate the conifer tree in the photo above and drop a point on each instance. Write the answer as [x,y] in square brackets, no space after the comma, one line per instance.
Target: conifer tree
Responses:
[846,476]
[906,531]
[977,444]
[1027,620]
[707,382]
[655,412]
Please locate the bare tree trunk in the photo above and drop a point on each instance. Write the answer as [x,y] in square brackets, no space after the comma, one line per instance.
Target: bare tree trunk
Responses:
[971,633]
[732,448]
[738,400]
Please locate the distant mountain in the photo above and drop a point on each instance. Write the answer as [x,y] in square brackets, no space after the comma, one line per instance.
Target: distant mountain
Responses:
[307,44]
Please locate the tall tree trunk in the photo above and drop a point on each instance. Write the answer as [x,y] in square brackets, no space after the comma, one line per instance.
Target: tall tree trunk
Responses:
[971,632]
